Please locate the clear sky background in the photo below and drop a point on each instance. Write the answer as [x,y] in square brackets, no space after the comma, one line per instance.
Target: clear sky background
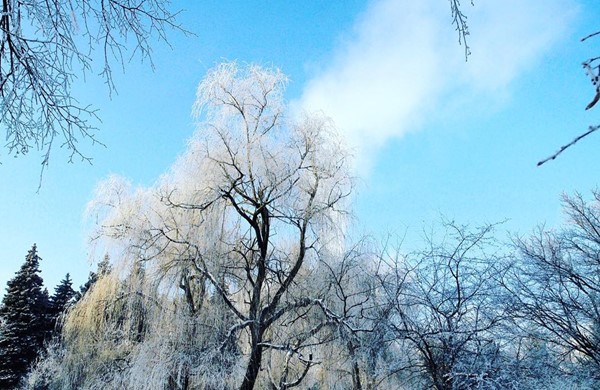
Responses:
[432,134]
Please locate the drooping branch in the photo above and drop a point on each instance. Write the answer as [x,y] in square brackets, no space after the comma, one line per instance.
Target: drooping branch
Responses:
[41,55]
[459,20]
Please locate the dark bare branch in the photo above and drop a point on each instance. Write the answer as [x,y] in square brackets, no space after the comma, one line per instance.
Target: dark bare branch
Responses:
[565,147]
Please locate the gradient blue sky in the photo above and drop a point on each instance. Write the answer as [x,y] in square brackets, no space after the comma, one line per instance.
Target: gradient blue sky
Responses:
[432,135]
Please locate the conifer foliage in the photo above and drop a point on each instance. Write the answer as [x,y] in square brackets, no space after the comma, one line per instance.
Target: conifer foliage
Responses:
[63,297]
[25,321]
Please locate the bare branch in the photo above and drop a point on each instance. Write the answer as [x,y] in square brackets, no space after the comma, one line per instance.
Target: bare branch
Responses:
[459,20]
[565,147]
[41,57]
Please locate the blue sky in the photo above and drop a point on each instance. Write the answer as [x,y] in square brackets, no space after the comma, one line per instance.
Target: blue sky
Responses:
[432,134]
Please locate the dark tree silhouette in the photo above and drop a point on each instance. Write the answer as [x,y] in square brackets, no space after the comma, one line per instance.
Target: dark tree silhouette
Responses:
[63,297]
[25,322]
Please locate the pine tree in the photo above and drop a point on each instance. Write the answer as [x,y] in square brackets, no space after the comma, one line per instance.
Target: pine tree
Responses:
[63,297]
[25,321]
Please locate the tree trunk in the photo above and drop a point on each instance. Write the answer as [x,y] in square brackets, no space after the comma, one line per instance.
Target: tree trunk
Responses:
[356,385]
[255,359]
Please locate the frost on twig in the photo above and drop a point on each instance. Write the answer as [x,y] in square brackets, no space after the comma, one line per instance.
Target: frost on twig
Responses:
[459,20]
[46,45]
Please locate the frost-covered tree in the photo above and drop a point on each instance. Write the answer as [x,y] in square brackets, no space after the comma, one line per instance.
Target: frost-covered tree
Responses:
[98,335]
[45,45]
[229,241]
[25,321]
[556,288]
[357,355]
[445,310]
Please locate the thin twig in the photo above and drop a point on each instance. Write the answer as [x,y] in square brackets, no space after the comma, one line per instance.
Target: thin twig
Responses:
[564,147]
[590,36]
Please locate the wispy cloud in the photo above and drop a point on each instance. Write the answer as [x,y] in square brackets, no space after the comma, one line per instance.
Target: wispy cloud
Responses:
[403,56]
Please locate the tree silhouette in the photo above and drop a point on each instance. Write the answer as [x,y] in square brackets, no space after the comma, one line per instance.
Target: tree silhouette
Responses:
[25,325]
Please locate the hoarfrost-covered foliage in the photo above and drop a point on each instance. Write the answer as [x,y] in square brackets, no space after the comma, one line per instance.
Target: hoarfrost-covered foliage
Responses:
[45,45]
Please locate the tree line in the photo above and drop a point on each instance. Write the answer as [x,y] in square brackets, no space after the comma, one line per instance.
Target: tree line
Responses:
[31,318]
[238,268]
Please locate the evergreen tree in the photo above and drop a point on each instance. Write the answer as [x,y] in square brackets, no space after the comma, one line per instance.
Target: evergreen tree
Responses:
[25,321]
[63,297]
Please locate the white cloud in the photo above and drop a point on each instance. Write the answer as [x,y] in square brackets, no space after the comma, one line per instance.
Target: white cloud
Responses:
[403,56]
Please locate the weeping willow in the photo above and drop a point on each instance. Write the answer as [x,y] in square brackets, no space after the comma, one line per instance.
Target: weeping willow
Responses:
[229,271]
[129,332]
